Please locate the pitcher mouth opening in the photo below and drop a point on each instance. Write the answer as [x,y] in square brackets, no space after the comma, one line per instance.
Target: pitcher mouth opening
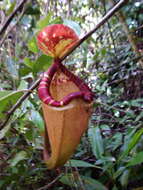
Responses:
[69,106]
[51,78]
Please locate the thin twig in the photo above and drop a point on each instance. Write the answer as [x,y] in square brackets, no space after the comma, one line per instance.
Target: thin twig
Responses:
[136,29]
[77,175]
[104,19]
[72,178]
[9,19]
[50,184]
[6,34]
[110,31]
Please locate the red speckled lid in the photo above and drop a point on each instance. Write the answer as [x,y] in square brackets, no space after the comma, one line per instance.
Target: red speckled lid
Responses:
[55,40]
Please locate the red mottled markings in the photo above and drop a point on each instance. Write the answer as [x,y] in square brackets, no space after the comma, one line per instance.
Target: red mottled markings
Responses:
[55,40]
[51,35]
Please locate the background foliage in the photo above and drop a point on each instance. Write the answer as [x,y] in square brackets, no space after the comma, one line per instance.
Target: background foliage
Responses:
[110,155]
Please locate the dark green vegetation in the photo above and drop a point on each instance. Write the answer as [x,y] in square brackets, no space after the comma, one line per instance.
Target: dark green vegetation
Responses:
[110,155]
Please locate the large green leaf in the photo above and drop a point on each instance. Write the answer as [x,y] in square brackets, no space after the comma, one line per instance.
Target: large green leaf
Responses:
[44,21]
[32,45]
[114,142]
[125,177]
[89,183]
[4,131]
[37,120]
[137,159]
[57,20]
[11,7]
[79,163]
[42,63]
[28,62]
[134,140]
[24,71]
[48,20]
[4,93]
[96,141]
[92,184]
[119,172]
[23,85]
[6,101]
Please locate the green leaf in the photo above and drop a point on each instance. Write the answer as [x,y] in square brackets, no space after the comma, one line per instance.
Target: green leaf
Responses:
[66,179]
[7,101]
[119,172]
[115,141]
[23,85]
[42,63]
[105,160]
[29,134]
[4,93]
[11,8]
[89,183]
[4,131]
[92,184]
[124,178]
[24,70]
[137,159]
[37,120]
[103,51]
[32,45]
[22,155]
[48,20]
[137,102]
[96,141]
[134,140]
[28,62]
[79,163]
[44,22]
[57,20]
